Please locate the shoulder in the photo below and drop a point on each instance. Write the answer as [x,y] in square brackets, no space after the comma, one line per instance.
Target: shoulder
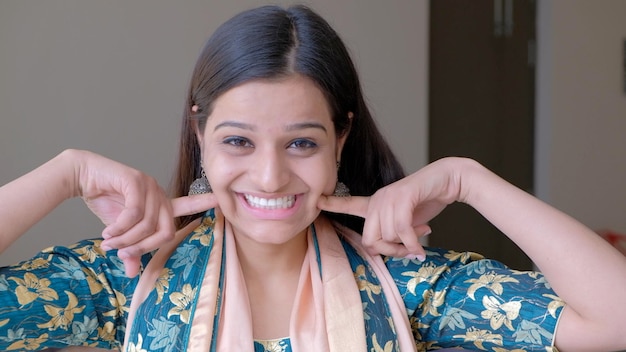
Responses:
[455,275]
[87,255]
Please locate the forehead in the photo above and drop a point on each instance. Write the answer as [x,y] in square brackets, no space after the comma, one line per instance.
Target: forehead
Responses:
[295,98]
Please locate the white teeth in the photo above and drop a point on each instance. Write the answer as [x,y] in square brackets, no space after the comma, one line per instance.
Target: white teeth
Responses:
[272,203]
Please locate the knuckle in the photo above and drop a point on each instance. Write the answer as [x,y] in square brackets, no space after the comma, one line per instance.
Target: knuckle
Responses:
[136,250]
[368,242]
[166,235]
[134,214]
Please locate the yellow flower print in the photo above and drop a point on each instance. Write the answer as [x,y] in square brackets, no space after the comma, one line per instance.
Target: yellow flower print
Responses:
[182,300]
[499,314]
[479,336]
[28,344]
[4,322]
[555,304]
[62,317]
[491,281]
[132,347]
[107,332]
[421,346]
[119,302]
[417,324]
[377,348]
[30,288]
[432,301]
[364,285]
[34,264]
[162,283]
[532,274]
[204,233]
[90,253]
[95,286]
[429,273]
[462,256]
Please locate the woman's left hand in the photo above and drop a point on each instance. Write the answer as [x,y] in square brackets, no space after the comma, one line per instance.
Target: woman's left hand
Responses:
[397,215]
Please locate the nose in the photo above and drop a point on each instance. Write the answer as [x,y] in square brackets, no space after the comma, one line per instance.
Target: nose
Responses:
[271,170]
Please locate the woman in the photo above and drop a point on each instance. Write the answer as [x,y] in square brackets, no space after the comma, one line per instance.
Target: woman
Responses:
[275,124]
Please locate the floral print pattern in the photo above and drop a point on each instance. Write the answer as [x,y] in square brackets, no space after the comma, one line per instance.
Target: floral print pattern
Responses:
[65,296]
[80,296]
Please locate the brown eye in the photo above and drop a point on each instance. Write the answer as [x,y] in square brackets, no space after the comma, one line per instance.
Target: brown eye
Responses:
[303,144]
[239,142]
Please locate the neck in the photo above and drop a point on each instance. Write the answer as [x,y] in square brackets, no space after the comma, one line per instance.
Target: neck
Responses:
[271,273]
[260,261]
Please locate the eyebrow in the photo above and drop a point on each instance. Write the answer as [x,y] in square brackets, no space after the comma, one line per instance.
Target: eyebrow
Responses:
[305,125]
[241,125]
[292,127]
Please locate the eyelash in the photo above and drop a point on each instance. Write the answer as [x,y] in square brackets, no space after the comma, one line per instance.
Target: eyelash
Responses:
[308,144]
[240,142]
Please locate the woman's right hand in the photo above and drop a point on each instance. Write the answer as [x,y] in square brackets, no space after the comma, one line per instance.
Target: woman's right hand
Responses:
[138,215]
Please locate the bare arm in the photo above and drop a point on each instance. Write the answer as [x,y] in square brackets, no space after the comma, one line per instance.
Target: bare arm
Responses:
[29,198]
[138,215]
[584,270]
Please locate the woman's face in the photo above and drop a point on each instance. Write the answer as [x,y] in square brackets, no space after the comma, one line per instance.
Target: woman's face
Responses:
[269,151]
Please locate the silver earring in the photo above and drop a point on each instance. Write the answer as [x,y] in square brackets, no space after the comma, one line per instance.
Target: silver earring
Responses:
[341,190]
[200,185]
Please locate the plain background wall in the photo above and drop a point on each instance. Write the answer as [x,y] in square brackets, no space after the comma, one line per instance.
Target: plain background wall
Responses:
[581,110]
[111,77]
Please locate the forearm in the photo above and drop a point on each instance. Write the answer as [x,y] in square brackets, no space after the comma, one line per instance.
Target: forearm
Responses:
[29,198]
[582,268]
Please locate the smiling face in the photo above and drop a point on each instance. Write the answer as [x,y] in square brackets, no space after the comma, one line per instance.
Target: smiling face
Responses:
[269,151]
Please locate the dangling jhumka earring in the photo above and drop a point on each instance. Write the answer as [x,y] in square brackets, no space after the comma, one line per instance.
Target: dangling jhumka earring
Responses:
[341,190]
[200,185]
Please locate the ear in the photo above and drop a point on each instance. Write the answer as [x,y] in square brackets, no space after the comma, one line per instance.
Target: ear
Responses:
[341,140]
[199,134]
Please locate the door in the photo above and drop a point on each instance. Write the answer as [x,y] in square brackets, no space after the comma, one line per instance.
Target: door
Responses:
[481,105]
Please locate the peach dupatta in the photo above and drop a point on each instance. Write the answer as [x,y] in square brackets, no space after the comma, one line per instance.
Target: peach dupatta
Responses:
[327,313]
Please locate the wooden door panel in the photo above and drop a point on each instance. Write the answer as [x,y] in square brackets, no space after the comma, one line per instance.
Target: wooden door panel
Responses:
[481,105]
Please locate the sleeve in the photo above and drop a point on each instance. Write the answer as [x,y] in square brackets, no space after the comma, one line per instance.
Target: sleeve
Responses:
[462,300]
[65,296]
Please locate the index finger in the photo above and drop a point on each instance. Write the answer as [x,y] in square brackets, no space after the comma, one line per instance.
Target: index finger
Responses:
[352,205]
[189,205]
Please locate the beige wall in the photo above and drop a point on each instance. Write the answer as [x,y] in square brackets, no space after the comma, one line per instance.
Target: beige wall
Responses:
[581,110]
[110,76]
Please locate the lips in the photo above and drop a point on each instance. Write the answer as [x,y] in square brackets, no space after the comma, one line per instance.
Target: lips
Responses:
[285,202]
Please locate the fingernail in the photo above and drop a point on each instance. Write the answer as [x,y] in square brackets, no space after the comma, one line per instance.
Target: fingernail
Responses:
[105,247]
[419,257]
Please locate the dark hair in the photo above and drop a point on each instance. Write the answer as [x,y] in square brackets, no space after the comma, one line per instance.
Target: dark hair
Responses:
[270,42]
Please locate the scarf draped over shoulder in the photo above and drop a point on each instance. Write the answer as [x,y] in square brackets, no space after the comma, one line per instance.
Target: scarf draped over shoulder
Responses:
[192,296]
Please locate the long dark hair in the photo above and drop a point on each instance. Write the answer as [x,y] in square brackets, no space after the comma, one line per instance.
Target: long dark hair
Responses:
[270,42]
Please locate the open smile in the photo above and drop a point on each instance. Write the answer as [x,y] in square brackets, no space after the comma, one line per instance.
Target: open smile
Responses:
[285,202]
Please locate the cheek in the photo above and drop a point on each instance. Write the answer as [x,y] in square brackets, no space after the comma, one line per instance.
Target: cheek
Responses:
[324,177]
[219,172]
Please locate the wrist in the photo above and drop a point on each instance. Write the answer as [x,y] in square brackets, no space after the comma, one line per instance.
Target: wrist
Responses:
[470,176]
[69,163]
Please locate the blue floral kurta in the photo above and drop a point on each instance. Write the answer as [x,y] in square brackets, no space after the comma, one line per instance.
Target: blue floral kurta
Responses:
[80,296]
